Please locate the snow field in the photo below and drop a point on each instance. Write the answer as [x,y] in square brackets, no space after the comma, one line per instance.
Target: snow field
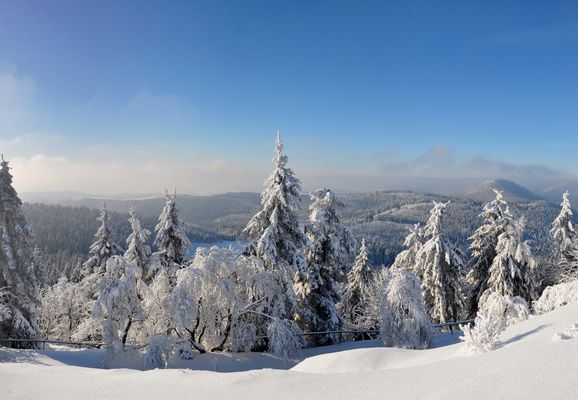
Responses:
[527,365]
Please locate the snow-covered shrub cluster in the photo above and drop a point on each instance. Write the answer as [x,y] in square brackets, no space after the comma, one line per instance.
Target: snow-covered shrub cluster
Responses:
[61,309]
[556,296]
[496,312]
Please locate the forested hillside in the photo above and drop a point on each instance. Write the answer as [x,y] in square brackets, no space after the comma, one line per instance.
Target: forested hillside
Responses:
[382,218]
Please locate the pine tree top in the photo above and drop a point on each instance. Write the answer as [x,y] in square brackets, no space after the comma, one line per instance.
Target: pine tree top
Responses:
[433,225]
[562,227]
[280,199]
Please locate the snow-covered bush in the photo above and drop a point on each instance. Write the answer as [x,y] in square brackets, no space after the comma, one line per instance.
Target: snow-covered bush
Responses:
[159,351]
[556,296]
[495,314]
[285,339]
[224,301]
[118,303]
[403,318]
[60,310]
[154,295]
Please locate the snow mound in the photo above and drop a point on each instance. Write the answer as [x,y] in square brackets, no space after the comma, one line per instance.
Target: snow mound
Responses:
[516,343]
[570,333]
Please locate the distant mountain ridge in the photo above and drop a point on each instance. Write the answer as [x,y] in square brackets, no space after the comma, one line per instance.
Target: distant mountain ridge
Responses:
[511,191]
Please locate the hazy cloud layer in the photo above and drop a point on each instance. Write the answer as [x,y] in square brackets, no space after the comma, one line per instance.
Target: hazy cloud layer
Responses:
[437,170]
[442,163]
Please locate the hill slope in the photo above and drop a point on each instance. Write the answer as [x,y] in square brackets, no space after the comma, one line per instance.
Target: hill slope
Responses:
[511,191]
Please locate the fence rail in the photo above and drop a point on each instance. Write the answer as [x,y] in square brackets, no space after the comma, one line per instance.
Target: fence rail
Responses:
[43,342]
[98,345]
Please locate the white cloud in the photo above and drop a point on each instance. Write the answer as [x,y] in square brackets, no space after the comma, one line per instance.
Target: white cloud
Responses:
[443,162]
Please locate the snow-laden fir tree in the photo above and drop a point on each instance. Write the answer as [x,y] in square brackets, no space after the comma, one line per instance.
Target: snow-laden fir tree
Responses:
[137,249]
[512,269]
[118,304]
[403,319]
[279,238]
[483,248]
[18,296]
[103,248]
[93,270]
[564,263]
[440,264]
[162,268]
[412,243]
[171,240]
[357,291]
[331,247]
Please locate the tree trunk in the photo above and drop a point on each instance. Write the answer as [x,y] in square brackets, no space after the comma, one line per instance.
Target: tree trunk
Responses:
[126,329]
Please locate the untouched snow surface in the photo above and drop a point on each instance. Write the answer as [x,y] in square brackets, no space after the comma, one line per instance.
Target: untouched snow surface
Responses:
[528,365]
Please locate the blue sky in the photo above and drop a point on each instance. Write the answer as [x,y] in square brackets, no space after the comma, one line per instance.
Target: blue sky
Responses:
[128,96]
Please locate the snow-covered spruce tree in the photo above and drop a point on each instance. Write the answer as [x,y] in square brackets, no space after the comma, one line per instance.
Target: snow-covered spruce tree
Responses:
[331,247]
[103,248]
[357,291]
[440,264]
[483,248]
[511,269]
[161,272]
[413,243]
[279,236]
[137,249]
[403,319]
[171,241]
[138,252]
[93,270]
[564,264]
[18,296]
[118,303]
[496,313]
